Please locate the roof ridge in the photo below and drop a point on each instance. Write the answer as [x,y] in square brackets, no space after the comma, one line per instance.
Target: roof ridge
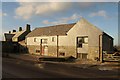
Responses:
[55,25]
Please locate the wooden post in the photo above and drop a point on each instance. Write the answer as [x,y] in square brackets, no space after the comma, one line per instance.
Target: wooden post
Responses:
[41,47]
[57,46]
[100,53]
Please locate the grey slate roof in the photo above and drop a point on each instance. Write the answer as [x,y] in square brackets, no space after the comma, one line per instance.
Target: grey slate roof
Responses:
[51,30]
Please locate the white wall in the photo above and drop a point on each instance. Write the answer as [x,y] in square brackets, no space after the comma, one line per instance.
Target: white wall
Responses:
[63,40]
[30,40]
[84,28]
[81,29]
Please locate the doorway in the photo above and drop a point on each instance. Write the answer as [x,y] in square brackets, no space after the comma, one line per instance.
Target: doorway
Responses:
[44,47]
[46,50]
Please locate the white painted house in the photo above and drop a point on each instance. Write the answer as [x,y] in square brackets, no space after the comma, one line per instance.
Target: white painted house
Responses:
[80,40]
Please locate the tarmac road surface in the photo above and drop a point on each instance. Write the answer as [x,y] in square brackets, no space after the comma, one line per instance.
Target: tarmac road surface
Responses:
[15,68]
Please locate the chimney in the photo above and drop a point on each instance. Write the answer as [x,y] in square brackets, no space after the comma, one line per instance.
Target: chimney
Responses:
[20,28]
[9,32]
[27,27]
[14,30]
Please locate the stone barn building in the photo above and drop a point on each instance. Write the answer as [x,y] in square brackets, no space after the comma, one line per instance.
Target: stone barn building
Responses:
[81,40]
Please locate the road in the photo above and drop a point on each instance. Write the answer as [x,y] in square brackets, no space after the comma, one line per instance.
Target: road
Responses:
[15,68]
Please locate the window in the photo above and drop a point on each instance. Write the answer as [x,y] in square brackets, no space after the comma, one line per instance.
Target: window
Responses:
[82,55]
[62,54]
[85,39]
[79,45]
[81,40]
[35,39]
[53,39]
[37,51]
[44,41]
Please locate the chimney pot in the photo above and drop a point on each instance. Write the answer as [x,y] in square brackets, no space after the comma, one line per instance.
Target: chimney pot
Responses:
[20,28]
[9,32]
[27,27]
[14,30]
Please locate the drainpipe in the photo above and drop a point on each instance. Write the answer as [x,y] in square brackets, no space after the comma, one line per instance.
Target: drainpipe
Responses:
[100,55]
[40,47]
[57,46]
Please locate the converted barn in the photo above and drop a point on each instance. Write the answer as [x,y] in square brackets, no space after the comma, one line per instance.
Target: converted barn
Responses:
[81,40]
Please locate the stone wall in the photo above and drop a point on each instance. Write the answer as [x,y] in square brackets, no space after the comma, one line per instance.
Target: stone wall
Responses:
[32,49]
[93,52]
[52,50]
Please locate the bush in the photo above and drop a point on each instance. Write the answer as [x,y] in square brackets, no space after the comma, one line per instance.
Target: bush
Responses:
[68,59]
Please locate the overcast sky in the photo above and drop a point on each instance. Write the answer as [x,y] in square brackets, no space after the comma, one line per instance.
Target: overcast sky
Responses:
[39,14]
